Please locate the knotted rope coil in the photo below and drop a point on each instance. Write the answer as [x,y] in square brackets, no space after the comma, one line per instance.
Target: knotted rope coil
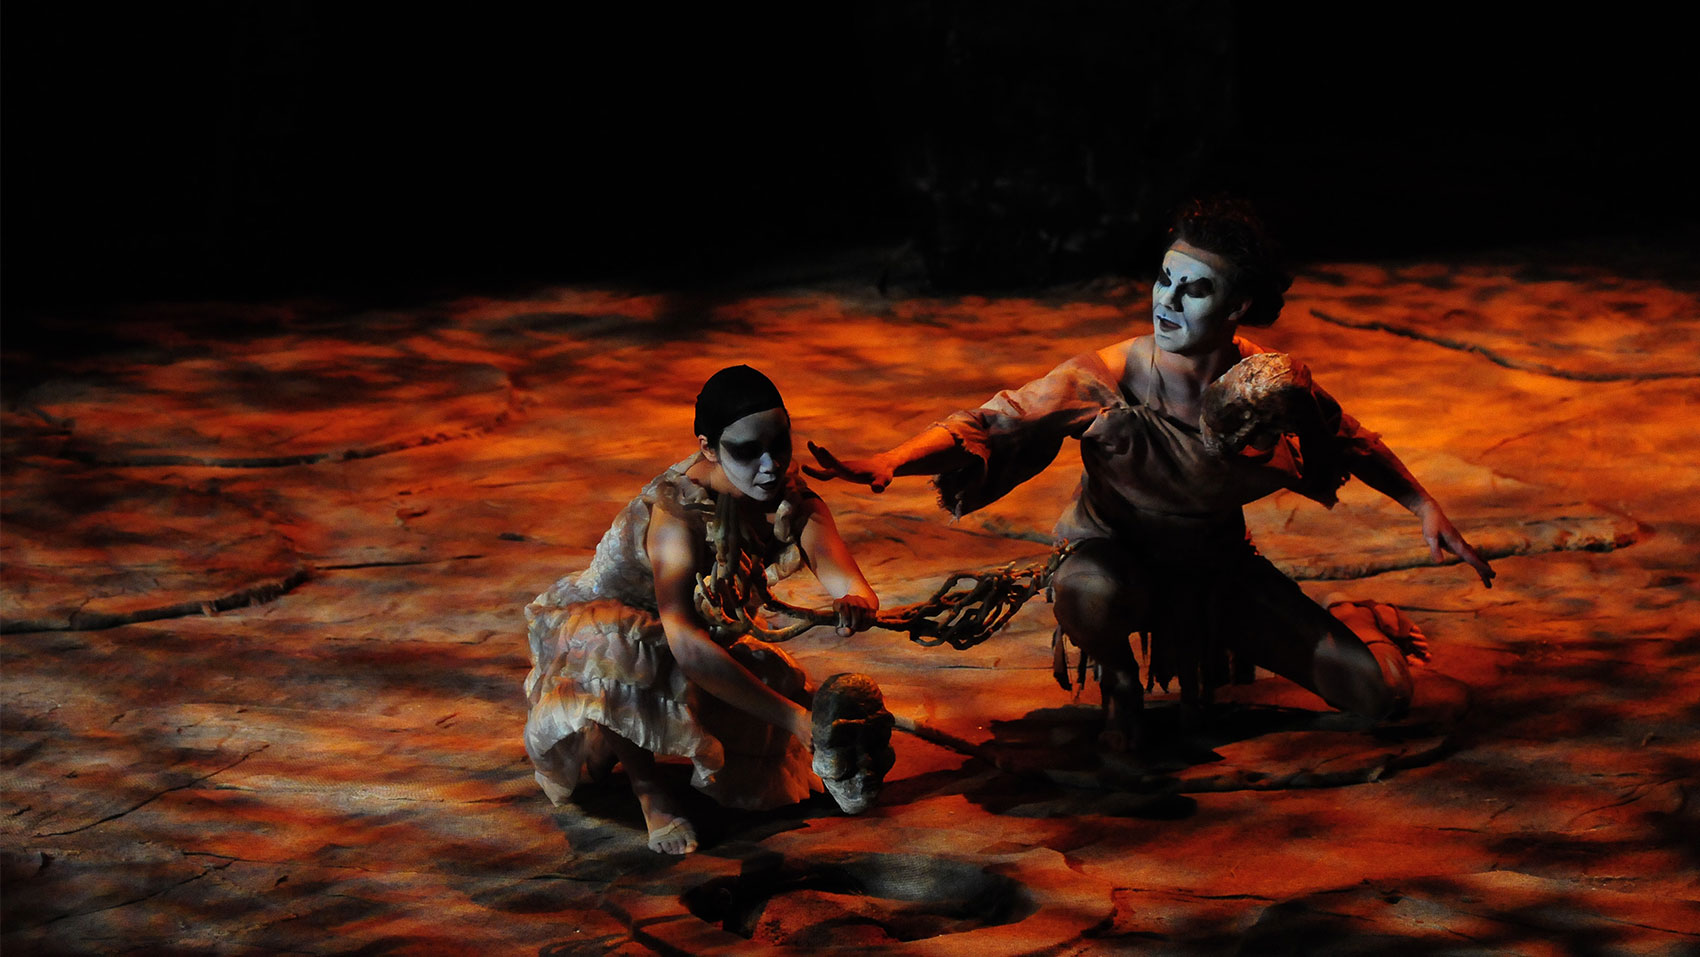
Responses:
[966,610]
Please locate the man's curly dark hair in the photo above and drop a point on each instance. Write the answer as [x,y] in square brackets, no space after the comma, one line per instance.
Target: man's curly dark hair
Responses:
[1229,228]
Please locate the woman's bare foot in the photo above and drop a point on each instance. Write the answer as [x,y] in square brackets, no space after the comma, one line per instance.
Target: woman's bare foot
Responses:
[669,832]
[674,837]
[1124,706]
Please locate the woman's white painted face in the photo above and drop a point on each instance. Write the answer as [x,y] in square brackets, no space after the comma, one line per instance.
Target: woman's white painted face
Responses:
[755,453]
[1192,306]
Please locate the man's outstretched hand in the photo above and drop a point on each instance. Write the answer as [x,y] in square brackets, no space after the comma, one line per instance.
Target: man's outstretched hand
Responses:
[873,472]
[1442,536]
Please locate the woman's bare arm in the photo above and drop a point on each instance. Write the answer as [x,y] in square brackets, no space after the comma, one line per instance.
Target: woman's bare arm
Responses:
[672,552]
[853,600]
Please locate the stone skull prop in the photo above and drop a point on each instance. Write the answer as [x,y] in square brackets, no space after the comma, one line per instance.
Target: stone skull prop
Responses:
[852,740]
[1254,403]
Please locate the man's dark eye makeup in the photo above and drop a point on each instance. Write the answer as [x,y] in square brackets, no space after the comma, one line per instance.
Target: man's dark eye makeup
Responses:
[1196,288]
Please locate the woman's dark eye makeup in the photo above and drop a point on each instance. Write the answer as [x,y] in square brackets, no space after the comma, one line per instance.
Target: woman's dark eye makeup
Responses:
[750,451]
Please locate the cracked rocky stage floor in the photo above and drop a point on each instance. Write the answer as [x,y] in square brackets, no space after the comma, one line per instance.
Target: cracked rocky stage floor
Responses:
[264,565]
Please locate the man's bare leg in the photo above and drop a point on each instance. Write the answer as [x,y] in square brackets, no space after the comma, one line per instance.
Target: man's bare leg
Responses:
[1352,664]
[1099,601]
[669,831]
[1388,634]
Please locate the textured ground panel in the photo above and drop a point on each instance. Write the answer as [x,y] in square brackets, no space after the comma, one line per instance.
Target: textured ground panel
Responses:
[263,568]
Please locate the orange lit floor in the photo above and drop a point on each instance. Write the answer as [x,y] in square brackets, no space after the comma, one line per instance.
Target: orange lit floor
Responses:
[264,566]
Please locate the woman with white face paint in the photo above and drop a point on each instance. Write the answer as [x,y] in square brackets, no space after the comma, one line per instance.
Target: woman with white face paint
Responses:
[623,665]
[1159,538]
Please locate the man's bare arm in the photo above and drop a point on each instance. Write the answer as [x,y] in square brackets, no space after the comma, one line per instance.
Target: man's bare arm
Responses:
[931,452]
[1384,472]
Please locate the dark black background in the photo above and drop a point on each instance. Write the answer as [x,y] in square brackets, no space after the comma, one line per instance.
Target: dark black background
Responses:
[226,149]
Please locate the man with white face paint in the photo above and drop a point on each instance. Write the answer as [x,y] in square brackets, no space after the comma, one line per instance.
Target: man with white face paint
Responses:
[1159,537]
[1191,309]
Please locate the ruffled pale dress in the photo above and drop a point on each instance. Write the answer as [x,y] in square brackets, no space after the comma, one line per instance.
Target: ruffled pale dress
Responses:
[600,660]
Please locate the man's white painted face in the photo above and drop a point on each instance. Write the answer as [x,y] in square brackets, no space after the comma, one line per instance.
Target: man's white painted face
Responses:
[1192,304]
[755,453]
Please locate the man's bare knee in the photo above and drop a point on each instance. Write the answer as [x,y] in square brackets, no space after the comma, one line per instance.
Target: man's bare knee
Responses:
[1090,595]
[1098,581]
[1351,679]
[1096,612]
